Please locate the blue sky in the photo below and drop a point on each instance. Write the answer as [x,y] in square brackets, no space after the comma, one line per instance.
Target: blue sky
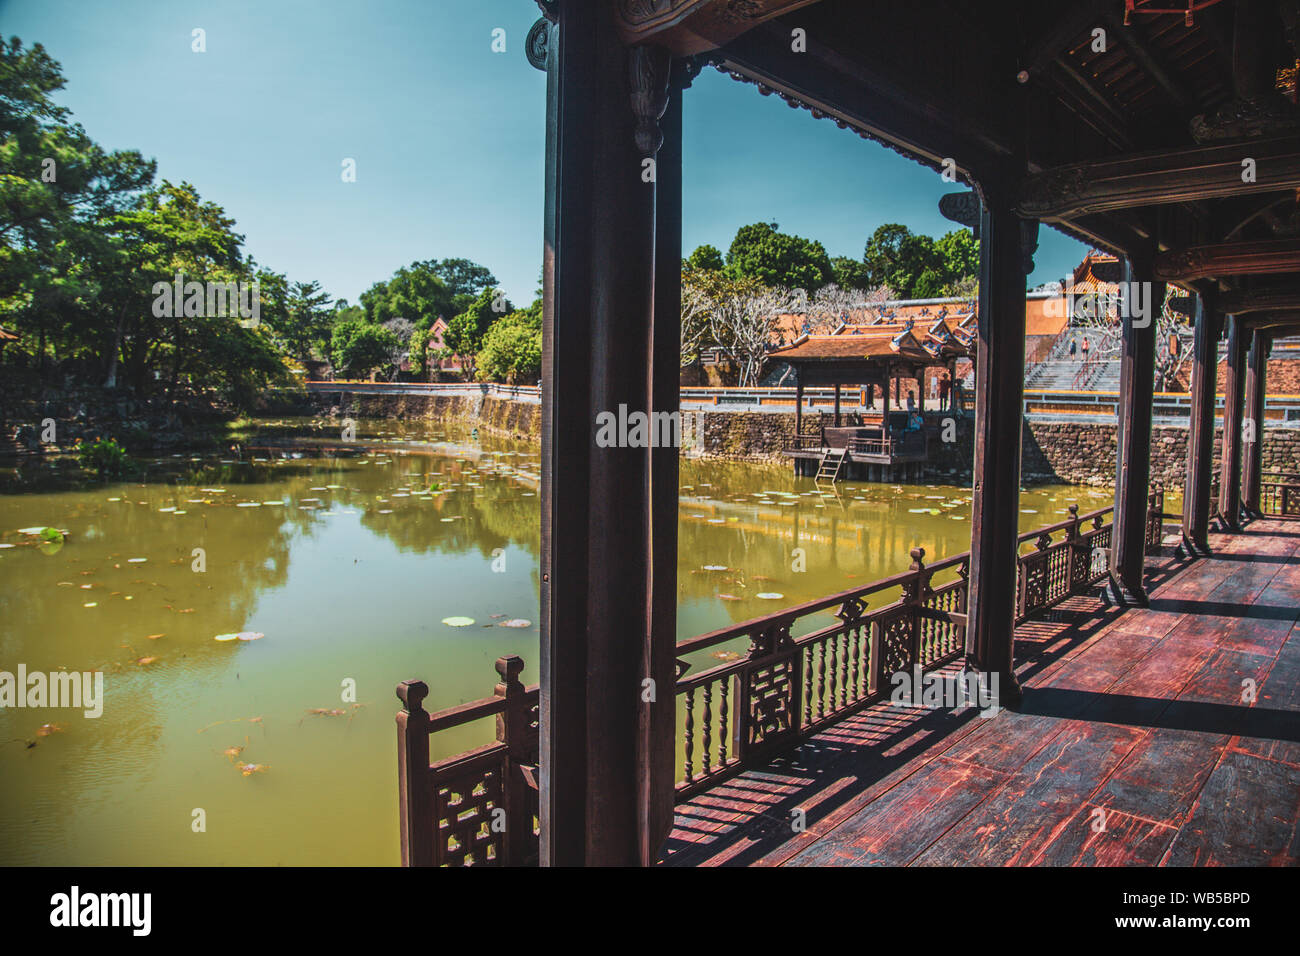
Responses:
[447,135]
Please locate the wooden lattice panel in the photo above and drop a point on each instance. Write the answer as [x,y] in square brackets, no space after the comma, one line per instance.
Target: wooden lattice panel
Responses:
[466,798]
[896,643]
[770,701]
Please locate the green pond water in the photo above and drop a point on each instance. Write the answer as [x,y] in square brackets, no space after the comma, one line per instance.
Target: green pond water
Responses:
[347,558]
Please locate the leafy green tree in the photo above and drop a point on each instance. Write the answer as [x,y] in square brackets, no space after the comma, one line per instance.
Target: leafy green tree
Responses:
[465,332]
[56,187]
[357,348]
[303,328]
[512,350]
[463,277]
[704,257]
[960,253]
[897,257]
[760,251]
[850,273]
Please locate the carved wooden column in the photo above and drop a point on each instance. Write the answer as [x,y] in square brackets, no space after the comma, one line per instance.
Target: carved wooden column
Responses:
[1133,466]
[999,395]
[1252,438]
[1200,439]
[1230,457]
[600,616]
[658,741]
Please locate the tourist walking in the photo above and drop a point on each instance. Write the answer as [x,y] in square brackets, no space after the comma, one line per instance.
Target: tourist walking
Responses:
[1085,348]
[1074,348]
[945,384]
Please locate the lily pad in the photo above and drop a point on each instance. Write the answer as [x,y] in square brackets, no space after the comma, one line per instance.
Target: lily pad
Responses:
[769,595]
[458,621]
[226,637]
[516,622]
[250,635]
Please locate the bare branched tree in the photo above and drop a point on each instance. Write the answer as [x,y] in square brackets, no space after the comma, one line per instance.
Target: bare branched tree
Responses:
[742,323]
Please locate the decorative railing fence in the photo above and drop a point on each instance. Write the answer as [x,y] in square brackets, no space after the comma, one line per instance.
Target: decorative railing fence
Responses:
[476,808]
[1279,493]
[804,668]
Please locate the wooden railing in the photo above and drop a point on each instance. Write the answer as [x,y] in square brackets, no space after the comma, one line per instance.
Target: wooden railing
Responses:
[1279,493]
[477,808]
[803,669]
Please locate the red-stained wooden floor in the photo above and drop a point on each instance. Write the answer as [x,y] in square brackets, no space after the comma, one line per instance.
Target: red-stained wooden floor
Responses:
[1133,746]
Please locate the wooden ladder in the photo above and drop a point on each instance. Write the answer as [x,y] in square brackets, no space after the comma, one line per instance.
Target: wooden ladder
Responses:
[831,463]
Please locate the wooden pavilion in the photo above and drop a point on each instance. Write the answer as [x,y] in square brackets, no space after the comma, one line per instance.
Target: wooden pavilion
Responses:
[1172,141]
[870,357]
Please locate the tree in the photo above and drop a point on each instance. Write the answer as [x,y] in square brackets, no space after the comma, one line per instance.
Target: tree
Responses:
[512,350]
[850,273]
[416,292]
[897,257]
[304,326]
[704,257]
[462,277]
[741,320]
[959,252]
[464,335]
[357,348]
[56,190]
[774,258]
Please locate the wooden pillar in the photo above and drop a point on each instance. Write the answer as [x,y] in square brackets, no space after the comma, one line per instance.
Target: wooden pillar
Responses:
[798,408]
[837,404]
[1230,456]
[999,393]
[1133,468]
[1200,438]
[884,403]
[1252,438]
[602,505]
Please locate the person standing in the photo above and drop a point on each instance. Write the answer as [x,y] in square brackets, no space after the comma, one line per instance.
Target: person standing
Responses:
[911,402]
[1085,348]
[944,385]
[1074,348]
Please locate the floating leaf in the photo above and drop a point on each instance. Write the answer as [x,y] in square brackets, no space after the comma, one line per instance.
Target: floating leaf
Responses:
[248,769]
[725,655]
[728,597]
[516,622]
[250,635]
[226,637]
[154,637]
[769,595]
[458,621]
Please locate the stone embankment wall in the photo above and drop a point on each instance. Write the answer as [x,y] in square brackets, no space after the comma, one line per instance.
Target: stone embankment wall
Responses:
[1071,452]
[499,416]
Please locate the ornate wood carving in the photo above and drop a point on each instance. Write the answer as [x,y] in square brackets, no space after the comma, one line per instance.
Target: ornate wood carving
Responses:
[962,208]
[535,45]
[648,68]
[1277,299]
[1186,175]
[1271,257]
[1267,115]
[686,27]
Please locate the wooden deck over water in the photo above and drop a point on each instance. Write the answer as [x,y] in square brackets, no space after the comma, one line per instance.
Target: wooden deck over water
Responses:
[1135,713]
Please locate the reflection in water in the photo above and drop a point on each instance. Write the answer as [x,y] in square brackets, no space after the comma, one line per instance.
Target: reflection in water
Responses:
[348,558]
